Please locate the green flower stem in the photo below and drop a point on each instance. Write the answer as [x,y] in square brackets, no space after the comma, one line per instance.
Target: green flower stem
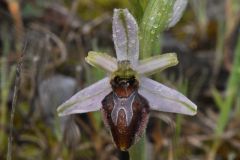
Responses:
[138,151]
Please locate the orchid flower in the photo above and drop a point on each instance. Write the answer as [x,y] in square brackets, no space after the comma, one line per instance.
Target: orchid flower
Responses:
[125,96]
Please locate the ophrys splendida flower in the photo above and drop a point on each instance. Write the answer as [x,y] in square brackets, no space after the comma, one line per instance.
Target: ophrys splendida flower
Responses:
[126,96]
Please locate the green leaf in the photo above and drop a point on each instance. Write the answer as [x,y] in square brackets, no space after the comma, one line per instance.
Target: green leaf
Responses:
[218,98]
[233,86]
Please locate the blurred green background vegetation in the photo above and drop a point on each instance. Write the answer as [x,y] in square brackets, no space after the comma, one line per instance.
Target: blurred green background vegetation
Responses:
[51,40]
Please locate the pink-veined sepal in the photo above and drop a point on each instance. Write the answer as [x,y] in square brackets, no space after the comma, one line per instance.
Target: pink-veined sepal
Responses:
[87,100]
[162,98]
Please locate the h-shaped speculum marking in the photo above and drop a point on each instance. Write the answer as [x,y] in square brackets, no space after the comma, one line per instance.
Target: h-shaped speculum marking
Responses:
[124,104]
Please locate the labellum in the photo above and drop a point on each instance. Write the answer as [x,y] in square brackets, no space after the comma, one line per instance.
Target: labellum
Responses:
[124,110]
